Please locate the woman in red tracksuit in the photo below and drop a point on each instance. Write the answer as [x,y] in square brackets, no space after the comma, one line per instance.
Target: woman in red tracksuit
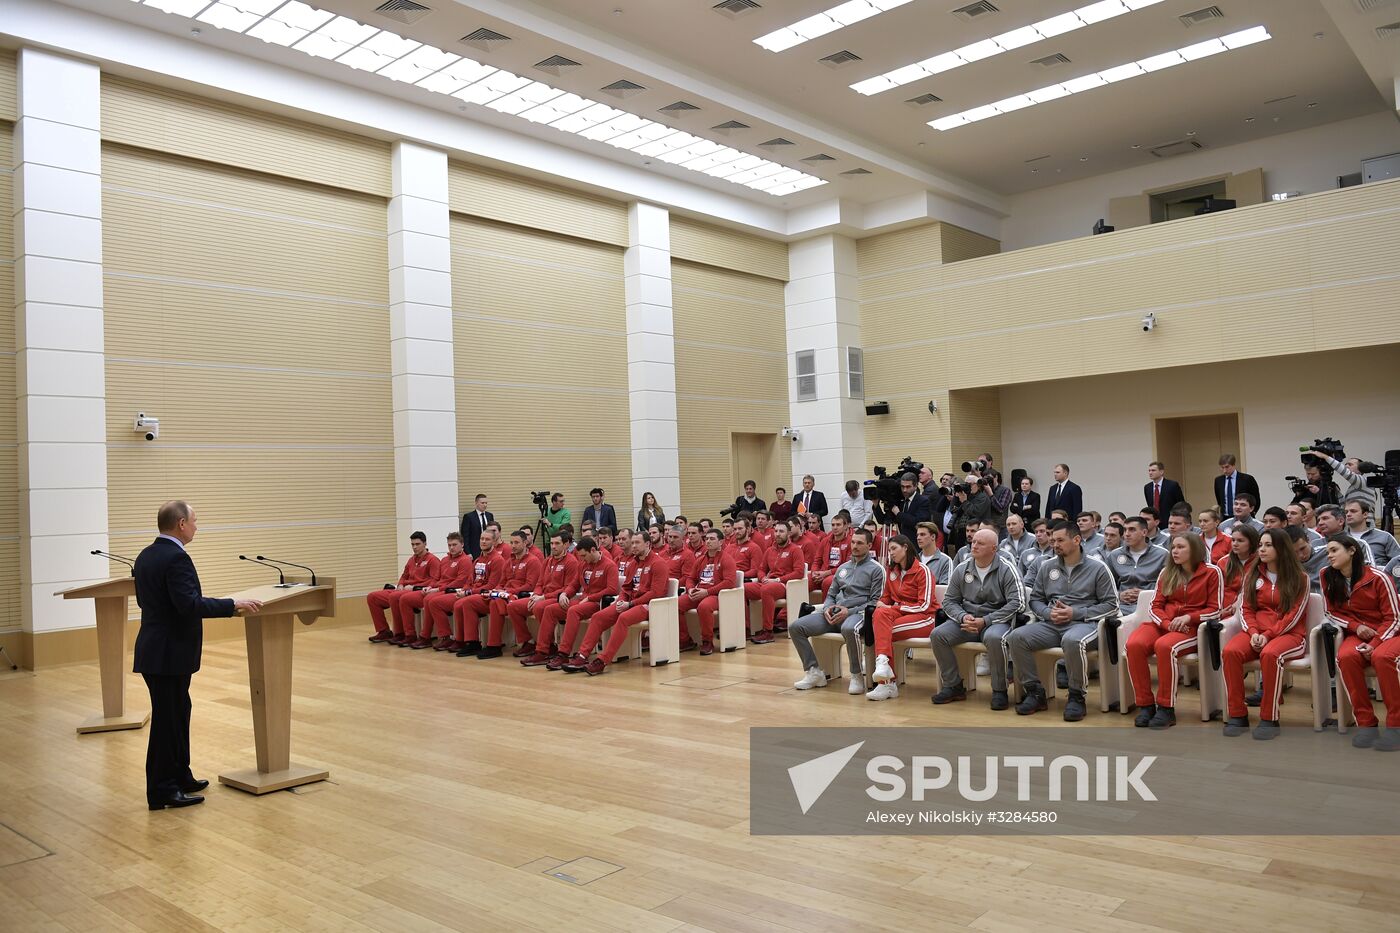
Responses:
[906,610]
[1235,566]
[1189,592]
[1273,600]
[1361,601]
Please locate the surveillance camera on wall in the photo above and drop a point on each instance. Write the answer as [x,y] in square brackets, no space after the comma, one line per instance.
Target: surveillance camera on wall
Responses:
[1149,321]
[146,427]
[791,434]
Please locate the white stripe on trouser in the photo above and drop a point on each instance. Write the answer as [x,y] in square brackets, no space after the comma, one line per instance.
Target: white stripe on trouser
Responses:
[908,625]
[1283,658]
[1084,658]
[1176,652]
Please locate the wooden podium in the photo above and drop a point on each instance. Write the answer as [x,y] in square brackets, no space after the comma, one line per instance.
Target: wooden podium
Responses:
[269,635]
[109,599]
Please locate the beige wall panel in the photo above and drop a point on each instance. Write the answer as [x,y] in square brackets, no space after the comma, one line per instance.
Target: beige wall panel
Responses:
[198,128]
[974,424]
[728,249]
[960,244]
[1366,308]
[8,110]
[732,285]
[527,415]
[486,193]
[1264,263]
[9,472]
[508,476]
[891,251]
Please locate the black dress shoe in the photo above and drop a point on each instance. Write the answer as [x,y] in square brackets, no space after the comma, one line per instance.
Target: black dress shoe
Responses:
[177,799]
[195,786]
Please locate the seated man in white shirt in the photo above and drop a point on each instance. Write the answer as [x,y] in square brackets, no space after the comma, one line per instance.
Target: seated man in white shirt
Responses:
[855,503]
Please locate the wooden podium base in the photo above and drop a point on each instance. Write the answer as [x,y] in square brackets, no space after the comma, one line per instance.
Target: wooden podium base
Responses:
[256,782]
[99,723]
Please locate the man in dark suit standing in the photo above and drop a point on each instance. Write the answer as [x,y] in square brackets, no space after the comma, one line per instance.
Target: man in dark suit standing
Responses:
[1159,492]
[173,610]
[914,509]
[811,502]
[600,513]
[1064,494]
[474,523]
[1230,483]
[1026,502]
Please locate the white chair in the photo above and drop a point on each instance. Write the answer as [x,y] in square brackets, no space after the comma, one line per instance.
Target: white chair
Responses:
[1212,696]
[1321,685]
[798,592]
[663,622]
[732,633]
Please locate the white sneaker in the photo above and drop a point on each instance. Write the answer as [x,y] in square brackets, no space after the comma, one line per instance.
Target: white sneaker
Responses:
[814,678]
[983,668]
[883,692]
[857,686]
[883,672]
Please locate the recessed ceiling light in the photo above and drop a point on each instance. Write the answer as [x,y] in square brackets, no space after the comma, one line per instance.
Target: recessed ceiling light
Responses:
[819,24]
[1312,105]
[194,33]
[1190,132]
[1083,158]
[1035,171]
[1249,119]
[1137,146]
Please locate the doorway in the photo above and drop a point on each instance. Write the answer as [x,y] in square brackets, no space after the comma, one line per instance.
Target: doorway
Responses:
[755,457]
[1190,448]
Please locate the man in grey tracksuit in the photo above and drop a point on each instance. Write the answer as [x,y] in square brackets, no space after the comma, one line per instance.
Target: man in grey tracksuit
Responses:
[1136,565]
[857,584]
[981,602]
[1073,591]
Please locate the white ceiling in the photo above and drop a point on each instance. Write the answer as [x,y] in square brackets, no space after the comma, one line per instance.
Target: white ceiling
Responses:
[684,50]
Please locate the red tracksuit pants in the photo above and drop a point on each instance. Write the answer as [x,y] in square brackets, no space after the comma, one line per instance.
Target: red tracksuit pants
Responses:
[550,617]
[519,611]
[1152,639]
[378,601]
[409,601]
[706,607]
[768,594]
[437,614]
[1385,660]
[574,619]
[891,626]
[619,622]
[1279,651]
[467,615]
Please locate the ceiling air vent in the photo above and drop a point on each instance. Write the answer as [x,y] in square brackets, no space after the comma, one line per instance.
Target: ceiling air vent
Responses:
[1196,17]
[837,59]
[1366,6]
[1389,31]
[856,172]
[730,126]
[402,11]
[776,142]
[557,64]
[680,106]
[975,10]
[485,40]
[1051,61]
[622,89]
[735,8]
[923,100]
[1180,147]
[819,157]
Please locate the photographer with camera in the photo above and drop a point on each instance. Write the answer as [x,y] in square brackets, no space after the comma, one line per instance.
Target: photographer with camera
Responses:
[1315,485]
[908,511]
[749,501]
[974,507]
[857,508]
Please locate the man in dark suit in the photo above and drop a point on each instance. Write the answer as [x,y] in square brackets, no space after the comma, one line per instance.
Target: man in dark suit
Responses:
[474,523]
[173,610]
[1159,492]
[811,502]
[1230,483]
[749,501]
[601,513]
[1026,502]
[1064,494]
[907,514]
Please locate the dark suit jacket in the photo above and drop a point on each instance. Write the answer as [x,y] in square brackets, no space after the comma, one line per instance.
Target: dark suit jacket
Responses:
[758,505]
[173,610]
[911,512]
[1030,509]
[818,505]
[605,517]
[471,531]
[1243,483]
[1171,495]
[1072,501]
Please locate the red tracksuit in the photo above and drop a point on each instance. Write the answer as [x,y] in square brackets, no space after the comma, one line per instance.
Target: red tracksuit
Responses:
[557,575]
[646,582]
[1218,548]
[489,573]
[763,536]
[1287,641]
[677,562]
[1228,604]
[595,582]
[454,579]
[411,600]
[780,564]
[835,553]
[912,604]
[522,576]
[708,575]
[812,545]
[1199,600]
[418,571]
[1372,603]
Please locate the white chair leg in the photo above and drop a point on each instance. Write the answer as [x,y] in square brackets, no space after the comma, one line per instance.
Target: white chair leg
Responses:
[731,619]
[829,653]
[1045,664]
[664,625]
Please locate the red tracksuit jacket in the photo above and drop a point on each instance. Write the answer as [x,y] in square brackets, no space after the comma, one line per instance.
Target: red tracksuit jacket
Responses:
[488,572]
[781,564]
[1232,587]
[708,575]
[1199,600]
[911,591]
[1219,548]
[813,545]
[598,580]
[522,575]
[748,557]
[558,576]
[763,536]
[1372,603]
[836,552]
[455,574]
[646,580]
[419,571]
[1266,618]
[677,562]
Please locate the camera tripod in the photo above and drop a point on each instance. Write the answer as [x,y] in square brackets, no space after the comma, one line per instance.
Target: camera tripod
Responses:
[542,532]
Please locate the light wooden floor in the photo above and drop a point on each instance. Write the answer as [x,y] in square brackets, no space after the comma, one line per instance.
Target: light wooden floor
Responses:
[457,784]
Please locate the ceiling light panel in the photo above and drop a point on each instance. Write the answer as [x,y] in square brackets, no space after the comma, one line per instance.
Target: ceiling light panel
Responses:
[323,34]
[1124,72]
[996,45]
[828,21]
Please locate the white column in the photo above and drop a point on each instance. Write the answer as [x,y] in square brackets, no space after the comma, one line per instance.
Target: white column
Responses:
[651,361]
[420,314]
[60,383]
[823,314]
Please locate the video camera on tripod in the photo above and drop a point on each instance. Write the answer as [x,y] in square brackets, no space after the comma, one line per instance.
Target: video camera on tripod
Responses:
[541,500]
[885,489]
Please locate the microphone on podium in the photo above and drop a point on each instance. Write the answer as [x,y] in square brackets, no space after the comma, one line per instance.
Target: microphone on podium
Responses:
[125,560]
[287,563]
[281,580]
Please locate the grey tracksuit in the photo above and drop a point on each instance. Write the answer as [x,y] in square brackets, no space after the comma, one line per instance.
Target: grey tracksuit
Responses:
[996,598]
[1031,559]
[1230,523]
[1016,551]
[1092,544]
[1136,570]
[940,565]
[1088,589]
[1314,566]
[857,584]
[1381,543]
